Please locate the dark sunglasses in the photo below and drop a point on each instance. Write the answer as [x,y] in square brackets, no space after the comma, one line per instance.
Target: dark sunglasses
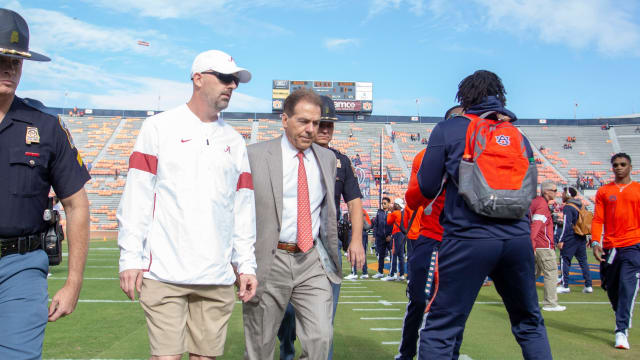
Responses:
[615,165]
[224,78]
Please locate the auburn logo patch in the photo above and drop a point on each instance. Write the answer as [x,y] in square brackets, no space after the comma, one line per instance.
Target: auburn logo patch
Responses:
[503,140]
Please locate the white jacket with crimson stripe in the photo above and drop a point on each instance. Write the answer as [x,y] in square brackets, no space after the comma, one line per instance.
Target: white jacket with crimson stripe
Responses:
[188,212]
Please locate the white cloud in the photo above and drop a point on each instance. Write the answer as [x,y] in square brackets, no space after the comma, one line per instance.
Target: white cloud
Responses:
[171,9]
[115,91]
[336,44]
[53,31]
[417,7]
[606,25]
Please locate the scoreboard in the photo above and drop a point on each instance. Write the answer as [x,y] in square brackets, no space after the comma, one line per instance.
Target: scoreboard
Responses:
[348,96]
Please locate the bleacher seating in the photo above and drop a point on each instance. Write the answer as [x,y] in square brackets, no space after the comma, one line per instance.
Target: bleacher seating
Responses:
[106,143]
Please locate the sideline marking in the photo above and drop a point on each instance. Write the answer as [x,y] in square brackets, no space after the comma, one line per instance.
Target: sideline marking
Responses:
[385,309]
[391,343]
[356,291]
[360,296]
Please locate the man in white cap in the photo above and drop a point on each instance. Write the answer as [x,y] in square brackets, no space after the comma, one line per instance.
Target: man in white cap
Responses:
[187,217]
[398,236]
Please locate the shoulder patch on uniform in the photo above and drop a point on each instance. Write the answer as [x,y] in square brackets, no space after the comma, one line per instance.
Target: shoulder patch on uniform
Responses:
[67,132]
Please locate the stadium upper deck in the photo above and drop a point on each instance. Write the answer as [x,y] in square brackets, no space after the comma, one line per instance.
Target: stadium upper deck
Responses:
[106,142]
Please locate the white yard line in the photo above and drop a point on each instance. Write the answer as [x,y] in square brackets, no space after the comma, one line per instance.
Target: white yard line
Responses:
[373,309]
[381,318]
[87,278]
[102,266]
[390,343]
[360,296]
[356,291]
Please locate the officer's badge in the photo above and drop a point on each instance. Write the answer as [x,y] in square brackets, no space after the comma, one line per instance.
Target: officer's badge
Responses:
[32,136]
[15,37]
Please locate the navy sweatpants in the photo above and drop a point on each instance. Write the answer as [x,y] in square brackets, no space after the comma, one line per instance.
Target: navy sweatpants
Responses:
[463,266]
[620,279]
[419,262]
[397,258]
[574,247]
[381,249]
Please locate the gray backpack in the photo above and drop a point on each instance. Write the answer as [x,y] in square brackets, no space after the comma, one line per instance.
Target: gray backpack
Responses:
[496,178]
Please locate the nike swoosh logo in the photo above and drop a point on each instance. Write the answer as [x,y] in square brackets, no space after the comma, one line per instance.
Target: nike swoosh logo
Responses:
[184,141]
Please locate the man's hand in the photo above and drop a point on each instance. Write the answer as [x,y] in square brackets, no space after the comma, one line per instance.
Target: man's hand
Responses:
[597,252]
[560,245]
[388,238]
[130,281]
[64,301]
[355,254]
[247,286]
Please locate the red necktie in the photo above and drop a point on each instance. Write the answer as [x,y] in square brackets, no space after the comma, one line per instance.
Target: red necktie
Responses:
[304,237]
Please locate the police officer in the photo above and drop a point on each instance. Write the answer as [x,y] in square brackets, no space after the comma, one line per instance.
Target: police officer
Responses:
[347,187]
[36,153]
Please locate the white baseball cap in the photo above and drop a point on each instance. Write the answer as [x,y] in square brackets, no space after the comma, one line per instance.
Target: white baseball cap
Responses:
[399,202]
[221,62]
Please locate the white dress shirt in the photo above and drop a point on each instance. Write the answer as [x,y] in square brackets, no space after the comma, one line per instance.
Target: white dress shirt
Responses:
[317,191]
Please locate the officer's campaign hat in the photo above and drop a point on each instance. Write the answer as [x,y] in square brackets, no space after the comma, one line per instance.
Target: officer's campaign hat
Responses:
[328,109]
[14,37]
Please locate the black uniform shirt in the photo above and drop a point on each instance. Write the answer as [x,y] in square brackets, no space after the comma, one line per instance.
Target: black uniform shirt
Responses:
[346,181]
[28,171]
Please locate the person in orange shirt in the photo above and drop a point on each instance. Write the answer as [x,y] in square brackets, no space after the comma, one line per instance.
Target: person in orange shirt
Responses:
[618,212]
[422,252]
[400,222]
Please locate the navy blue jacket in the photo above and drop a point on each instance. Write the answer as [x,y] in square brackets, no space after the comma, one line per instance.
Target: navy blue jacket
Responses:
[380,228]
[570,217]
[443,155]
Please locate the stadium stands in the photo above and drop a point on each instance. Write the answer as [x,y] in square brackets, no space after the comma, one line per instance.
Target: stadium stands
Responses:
[106,143]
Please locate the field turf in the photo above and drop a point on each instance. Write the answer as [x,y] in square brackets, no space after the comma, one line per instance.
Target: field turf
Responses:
[106,325]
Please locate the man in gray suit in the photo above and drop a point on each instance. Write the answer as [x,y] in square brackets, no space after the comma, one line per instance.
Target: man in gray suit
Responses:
[296,234]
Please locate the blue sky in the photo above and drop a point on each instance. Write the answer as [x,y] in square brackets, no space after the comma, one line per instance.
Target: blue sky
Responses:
[549,54]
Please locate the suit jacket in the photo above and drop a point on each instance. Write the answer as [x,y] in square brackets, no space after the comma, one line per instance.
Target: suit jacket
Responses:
[265,159]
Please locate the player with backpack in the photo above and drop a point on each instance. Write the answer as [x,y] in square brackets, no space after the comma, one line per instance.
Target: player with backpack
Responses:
[491,178]
[572,239]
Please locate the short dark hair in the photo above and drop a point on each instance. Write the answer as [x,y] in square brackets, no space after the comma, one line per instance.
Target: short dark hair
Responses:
[299,95]
[476,87]
[386,198]
[620,155]
[450,111]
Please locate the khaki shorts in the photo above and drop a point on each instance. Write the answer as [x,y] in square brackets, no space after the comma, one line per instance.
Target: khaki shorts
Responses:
[186,318]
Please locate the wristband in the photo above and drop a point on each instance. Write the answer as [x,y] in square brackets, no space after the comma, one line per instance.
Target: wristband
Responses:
[595,243]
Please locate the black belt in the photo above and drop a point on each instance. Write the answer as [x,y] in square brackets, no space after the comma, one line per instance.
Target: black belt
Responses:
[20,244]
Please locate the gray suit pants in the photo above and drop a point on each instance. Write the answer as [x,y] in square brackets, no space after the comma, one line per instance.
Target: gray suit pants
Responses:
[300,279]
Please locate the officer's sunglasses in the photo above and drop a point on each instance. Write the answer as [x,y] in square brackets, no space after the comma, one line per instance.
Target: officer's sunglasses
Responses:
[224,78]
[615,165]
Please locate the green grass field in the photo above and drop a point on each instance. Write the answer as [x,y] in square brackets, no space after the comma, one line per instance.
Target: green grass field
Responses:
[106,325]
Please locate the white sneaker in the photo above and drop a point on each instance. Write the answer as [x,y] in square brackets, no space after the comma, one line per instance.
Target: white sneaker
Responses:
[364,276]
[554,308]
[621,341]
[562,290]
[351,277]
[49,275]
[378,276]
[587,290]
[401,278]
[389,278]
